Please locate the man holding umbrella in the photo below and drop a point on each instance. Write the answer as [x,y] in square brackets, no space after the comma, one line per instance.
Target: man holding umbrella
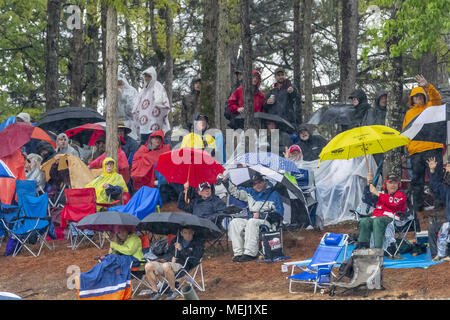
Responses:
[178,253]
[262,200]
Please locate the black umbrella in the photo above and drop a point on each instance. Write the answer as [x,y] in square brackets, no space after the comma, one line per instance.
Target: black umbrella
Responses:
[273,117]
[171,222]
[60,119]
[333,114]
[109,221]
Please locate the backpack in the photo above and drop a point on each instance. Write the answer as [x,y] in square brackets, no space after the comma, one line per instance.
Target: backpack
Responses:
[346,269]
[160,247]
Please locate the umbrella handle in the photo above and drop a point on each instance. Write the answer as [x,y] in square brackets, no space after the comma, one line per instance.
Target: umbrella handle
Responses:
[367,161]
[186,200]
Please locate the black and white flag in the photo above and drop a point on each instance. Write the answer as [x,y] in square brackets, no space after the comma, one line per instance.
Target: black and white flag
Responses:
[430,125]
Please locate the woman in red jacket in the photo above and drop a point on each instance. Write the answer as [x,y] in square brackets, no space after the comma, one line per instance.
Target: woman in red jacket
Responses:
[236,100]
[388,203]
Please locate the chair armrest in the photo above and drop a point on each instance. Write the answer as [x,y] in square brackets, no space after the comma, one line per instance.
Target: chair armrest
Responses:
[323,264]
[293,263]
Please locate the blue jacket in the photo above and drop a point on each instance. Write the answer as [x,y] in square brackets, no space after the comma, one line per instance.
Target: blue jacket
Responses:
[442,191]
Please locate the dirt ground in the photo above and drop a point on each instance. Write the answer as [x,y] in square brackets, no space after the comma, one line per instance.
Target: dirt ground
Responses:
[46,277]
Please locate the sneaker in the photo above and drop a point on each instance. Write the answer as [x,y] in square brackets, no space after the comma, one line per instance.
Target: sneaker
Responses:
[237,258]
[246,258]
[173,296]
[155,296]
[436,258]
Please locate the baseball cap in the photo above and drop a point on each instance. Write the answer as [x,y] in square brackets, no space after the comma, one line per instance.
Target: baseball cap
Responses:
[24,116]
[257,178]
[393,177]
[279,69]
[294,148]
[204,185]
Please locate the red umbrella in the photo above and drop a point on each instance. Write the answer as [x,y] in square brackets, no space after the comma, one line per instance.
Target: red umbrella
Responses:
[87,133]
[189,165]
[16,135]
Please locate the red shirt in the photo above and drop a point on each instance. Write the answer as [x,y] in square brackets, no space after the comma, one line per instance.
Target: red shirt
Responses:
[237,100]
[387,205]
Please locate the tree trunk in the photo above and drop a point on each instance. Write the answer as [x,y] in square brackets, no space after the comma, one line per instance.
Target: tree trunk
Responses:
[76,65]
[428,67]
[208,59]
[104,35]
[247,50]
[52,56]
[308,54]
[349,47]
[169,50]
[298,44]
[394,116]
[112,142]
[223,83]
[91,66]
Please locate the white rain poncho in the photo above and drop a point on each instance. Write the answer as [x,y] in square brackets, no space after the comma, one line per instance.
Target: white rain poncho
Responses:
[339,187]
[152,106]
[126,103]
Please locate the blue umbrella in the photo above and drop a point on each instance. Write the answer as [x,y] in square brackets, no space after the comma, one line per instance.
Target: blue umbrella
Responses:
[267,159]
[5,172]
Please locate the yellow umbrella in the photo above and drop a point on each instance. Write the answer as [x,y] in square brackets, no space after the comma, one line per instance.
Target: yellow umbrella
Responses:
[362,141]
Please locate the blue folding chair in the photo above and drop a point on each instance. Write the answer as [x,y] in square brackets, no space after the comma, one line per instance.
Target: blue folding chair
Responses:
[318,270]
[142,203]
[29,224]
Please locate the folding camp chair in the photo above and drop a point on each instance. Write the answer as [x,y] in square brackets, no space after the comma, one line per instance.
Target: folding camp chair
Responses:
[30,224]
[319,268]
[183,276]
[79,203]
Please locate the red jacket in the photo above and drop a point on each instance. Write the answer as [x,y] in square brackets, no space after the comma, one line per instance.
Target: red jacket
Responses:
[387,205]
[236,99]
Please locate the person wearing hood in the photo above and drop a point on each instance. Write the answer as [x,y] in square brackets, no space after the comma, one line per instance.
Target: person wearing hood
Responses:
[124,167]
[109,185]
[205,204]
[126,101]
[198,138]
[63,146]
[377,115]
[420,151]
[152,106]
[281,98]
[190,103]
[310,144]
[236,101]
[362,108]
[145,159]
[45,150]
[33,170]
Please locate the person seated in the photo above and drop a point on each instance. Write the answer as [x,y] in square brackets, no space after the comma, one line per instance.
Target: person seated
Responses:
[109,185]
[128,144]
[177,254]
[100,148]
[388,203]
[45,150]
[441,190]
[283,141]
[123,166]
[33,170]
[145,159]
[264,203]
[198,138]
[206,205]
[126,243]
[310,144]
[63,146]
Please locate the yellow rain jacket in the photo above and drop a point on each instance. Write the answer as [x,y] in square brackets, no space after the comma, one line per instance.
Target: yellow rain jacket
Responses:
[415,110]
[194,140]
[131,247]
[113,179]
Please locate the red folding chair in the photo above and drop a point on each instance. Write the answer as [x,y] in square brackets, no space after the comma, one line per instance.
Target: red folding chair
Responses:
[79,204]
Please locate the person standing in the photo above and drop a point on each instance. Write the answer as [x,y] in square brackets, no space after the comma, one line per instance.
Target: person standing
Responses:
[127,99]
[152,107]
[420,151]
[190,104]
[362,110]
[236,101]
[281,98]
